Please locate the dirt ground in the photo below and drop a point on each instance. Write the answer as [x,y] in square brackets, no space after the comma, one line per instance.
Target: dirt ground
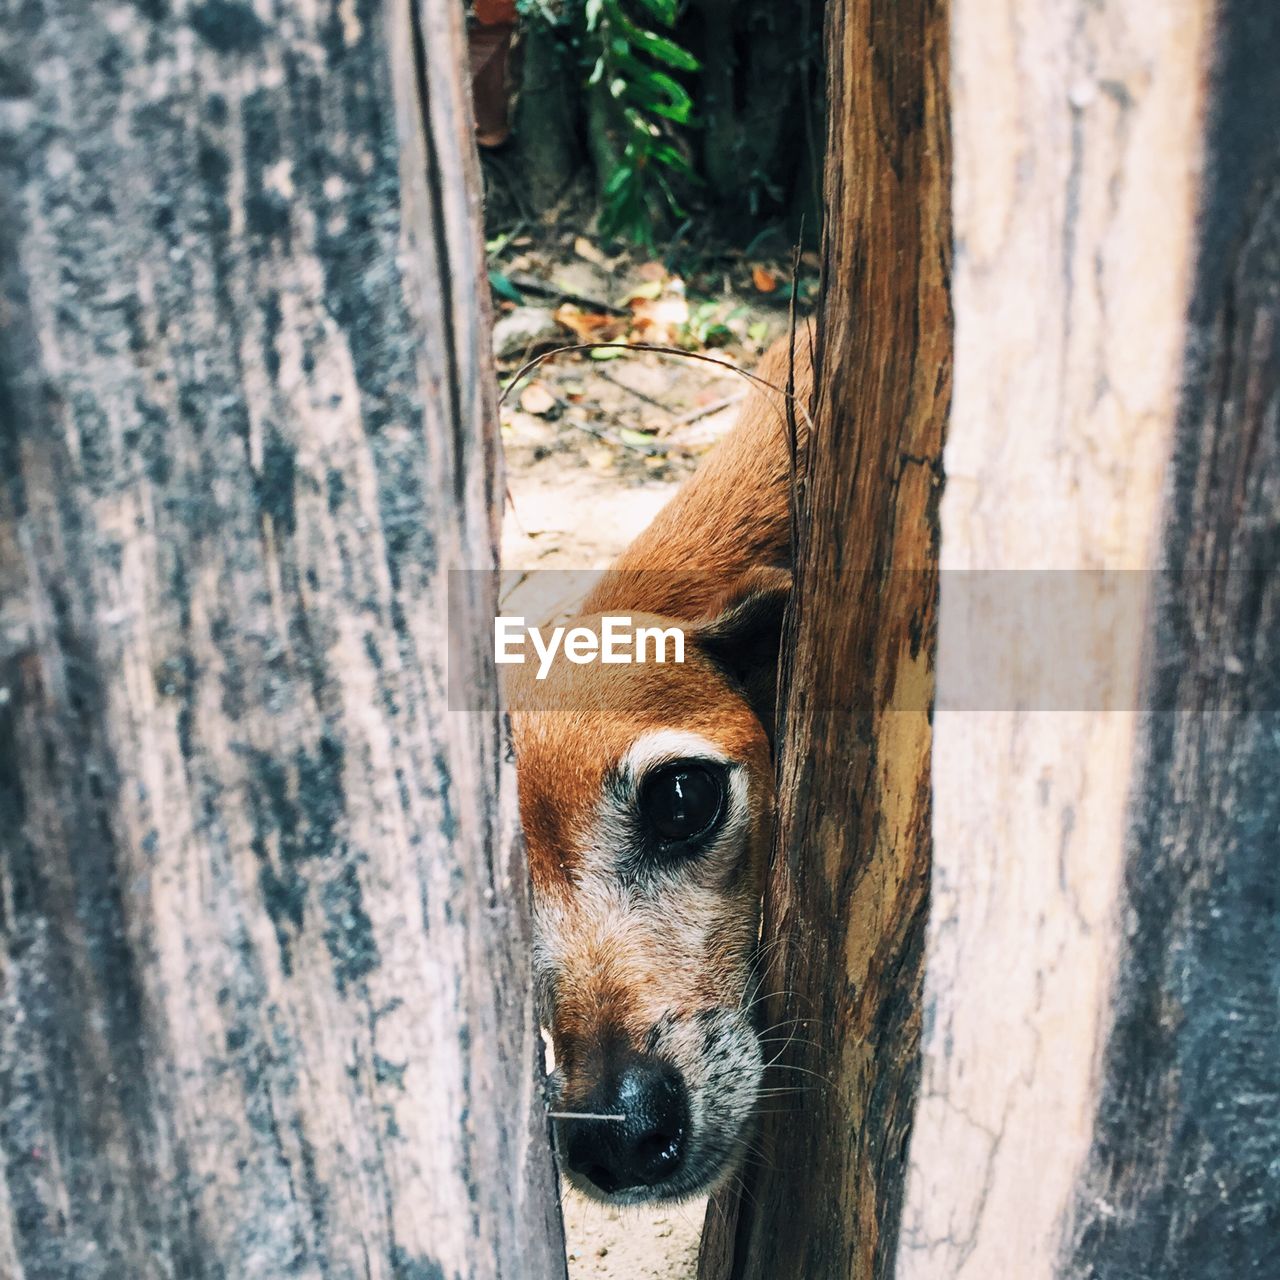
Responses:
[593,449]
[596,442]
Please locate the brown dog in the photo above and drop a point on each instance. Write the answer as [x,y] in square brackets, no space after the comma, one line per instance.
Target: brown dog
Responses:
[646,793]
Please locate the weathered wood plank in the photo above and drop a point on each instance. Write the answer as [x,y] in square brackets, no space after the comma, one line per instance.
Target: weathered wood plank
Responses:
[265,994]
[845,902]
[1081,219]
[1184,1173]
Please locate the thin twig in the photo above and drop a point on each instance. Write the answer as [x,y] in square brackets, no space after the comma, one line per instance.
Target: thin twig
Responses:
[549,289]
[622,386]
[708,409]
[506,237]
[535,361]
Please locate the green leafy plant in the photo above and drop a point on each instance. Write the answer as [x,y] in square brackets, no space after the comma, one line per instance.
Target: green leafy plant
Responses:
[712,323]
[633,65]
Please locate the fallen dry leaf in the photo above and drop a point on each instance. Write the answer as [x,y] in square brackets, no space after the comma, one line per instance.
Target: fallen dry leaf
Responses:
[650,290]
[629,435]
[536,399]
[589,326]
[763,279]
[659,320]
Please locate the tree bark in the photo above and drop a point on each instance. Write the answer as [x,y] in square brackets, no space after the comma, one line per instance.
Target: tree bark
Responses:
[757,144]
[266,1005]
[846,895]
[545,116]
[1100,1094]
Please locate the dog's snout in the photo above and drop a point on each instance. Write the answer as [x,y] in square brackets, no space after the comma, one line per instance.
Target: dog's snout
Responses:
[643,1147]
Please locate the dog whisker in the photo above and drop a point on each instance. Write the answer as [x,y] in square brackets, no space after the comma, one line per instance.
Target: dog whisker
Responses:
[755,1147]
[769,995]
[787,1043]
[786,1022]
[756,973]
[740,1183]
[787,1066]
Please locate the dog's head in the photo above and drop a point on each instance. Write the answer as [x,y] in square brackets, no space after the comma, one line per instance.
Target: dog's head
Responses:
[646,793]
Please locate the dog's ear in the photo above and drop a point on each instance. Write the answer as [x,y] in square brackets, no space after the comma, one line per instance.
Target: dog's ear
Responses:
[743,638]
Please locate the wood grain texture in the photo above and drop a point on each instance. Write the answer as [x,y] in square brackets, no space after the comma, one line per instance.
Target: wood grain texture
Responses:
[845,902]
[1077,132]
[1184,1173]
[264,978]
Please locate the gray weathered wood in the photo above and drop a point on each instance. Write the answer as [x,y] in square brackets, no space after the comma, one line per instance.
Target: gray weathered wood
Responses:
[1102,1029]
[265,1002]
[1077,132]
[1184,1173]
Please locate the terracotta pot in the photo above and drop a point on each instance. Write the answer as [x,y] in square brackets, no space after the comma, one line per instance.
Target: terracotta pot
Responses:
[489,41]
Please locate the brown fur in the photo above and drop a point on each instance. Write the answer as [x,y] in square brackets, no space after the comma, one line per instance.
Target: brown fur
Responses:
[614,968]
[732,516]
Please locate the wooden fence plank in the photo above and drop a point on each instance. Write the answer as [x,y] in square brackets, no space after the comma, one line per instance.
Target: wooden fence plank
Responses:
[1183,1177]
[264,977]
[845,902]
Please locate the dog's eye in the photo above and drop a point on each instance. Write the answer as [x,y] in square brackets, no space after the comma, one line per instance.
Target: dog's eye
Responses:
[682,801]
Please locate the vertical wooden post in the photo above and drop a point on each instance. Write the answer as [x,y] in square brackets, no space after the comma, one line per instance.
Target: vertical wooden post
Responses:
[1183,1174]
[845,904]
[266,1007]
[1100,1027]
[1100,1094]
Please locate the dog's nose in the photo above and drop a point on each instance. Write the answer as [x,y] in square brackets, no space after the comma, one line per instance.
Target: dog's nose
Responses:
[645,1146]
